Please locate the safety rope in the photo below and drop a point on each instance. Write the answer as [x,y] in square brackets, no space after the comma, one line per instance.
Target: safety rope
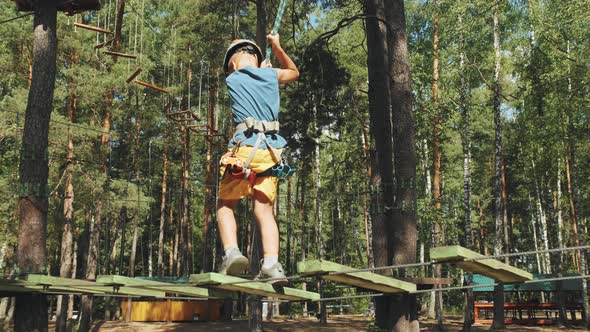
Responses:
[275,28]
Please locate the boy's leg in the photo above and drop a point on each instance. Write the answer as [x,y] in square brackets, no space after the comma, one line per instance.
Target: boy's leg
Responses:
[227,223]
[263,211]
[234,263]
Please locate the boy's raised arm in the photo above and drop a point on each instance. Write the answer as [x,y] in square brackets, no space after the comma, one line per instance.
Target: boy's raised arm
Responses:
[288,72]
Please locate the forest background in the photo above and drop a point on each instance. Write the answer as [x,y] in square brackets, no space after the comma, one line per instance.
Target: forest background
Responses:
[140,186]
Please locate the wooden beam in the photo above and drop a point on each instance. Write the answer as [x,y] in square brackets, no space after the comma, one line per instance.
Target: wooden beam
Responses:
[122,55]
[106,43]
[189,112]
[226,282]
[367,280]
[488,267]
[154,285]
[151,86]
[93,28]
[134,75]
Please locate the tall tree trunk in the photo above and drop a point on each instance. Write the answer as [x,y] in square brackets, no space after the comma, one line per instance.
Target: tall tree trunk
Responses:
[73,276]
[366,213]
[209,228]
[163,202]
[402,234]
[118,25]
[288,260]
[542,223]
[181,230]
[437,130]
[86,301]
[505,212]
[68,210]
[465,108]
[558,212]
[186,206]
[498,321]
[380,128]
[31,309]
[303,219]
[318,212]
[136,220]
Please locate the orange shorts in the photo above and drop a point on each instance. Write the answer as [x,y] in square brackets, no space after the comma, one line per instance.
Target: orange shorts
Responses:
[232,188]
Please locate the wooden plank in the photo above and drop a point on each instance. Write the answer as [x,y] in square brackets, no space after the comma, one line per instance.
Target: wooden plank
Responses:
[122,55]
[154,285]
[121,288]
[367,280]
[222,281]
[18,286]
[84,286]
[488,267]
[151,86]
[93,28]
[103,44]
[134,75]
[51,283]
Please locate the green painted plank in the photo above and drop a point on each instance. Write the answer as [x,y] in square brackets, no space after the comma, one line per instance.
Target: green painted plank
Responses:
[367,280]
[51,283]
[257,288]
[154,285]
[84,286]
[488,267]
[18,286]
[121,288]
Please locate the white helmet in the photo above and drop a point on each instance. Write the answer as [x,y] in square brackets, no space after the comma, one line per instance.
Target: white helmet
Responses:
[241,44]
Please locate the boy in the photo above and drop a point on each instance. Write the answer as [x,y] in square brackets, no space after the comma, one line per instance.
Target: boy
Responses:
[256,147]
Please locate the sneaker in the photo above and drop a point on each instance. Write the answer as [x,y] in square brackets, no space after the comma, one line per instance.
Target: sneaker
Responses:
[276,273]
[234,264]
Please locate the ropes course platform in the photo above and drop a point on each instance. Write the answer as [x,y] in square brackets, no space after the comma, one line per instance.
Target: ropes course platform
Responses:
[340,273]
[472,261]
[236,284]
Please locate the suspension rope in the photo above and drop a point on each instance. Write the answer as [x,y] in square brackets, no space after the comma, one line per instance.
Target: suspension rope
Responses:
[275,28]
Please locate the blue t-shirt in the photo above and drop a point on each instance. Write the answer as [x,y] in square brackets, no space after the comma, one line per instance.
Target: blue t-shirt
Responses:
[254,92]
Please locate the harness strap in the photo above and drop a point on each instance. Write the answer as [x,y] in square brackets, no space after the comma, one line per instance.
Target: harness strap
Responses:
[261,128]
[258,126]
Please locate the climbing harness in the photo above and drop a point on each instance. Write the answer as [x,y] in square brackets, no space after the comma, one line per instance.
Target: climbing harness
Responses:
[275,28]
[240,169]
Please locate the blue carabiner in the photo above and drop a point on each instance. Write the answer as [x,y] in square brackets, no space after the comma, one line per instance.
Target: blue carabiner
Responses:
[277,170]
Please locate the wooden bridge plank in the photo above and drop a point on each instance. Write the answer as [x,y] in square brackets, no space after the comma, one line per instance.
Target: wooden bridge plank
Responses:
[65,284]
[367,280]
[488,267]
[154,285]
[256,288]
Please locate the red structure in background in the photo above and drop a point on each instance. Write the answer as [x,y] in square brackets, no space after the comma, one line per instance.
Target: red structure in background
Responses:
[529,313]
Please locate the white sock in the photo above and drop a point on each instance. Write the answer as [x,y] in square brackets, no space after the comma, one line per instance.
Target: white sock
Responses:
[269,261]
[230,249]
